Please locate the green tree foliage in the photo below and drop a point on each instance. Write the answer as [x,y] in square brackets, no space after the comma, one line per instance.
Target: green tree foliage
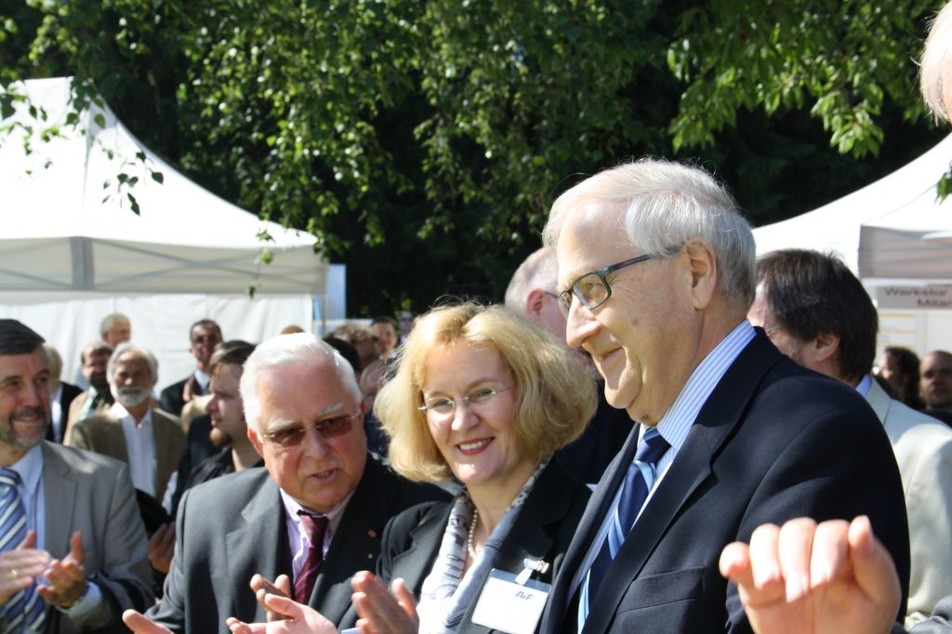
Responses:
[840,58]
[422,141]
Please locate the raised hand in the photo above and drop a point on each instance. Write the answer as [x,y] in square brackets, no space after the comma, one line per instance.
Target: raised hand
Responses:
[161,547]
[65,578]
[262,588]
[383,611]
[809,578]
[20,566]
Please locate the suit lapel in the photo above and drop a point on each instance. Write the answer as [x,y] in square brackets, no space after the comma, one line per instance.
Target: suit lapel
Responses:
[879,400]
[355,545]
[532,534]
[720,414]
[162,449]
[59,493]
[255,547]
[415,563]
[562,590]
[111,429]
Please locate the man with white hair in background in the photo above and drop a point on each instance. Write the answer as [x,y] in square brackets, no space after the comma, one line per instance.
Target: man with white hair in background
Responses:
[132,430]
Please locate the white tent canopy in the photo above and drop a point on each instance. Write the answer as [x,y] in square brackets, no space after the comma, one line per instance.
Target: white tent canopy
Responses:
[81,235]
[891,231]
[73,250]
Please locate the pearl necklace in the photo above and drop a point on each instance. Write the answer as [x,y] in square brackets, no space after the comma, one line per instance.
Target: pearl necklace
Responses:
[471,533]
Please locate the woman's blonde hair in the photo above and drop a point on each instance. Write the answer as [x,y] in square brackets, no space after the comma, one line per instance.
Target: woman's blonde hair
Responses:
[555,395]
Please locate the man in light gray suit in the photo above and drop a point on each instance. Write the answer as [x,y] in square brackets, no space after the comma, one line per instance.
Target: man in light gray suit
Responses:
[817,312]
[72,504]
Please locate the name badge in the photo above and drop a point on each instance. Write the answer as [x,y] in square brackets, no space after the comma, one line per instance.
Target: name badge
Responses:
[509,606]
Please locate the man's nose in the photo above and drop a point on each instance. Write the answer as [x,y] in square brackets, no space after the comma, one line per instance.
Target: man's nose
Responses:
[580,324]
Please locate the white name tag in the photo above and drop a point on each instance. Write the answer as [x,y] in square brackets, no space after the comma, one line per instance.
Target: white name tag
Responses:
[508,606]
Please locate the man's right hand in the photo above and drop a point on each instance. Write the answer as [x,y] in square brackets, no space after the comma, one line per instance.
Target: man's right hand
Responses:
[809,578]
[21,566]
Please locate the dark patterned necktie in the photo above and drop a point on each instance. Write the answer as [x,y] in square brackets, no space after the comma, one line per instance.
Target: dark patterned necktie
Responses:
[24,610]
[638,482]
[315,526]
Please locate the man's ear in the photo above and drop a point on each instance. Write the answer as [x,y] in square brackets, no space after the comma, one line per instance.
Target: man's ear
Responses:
[820,354]
[535,300]
[825,346]
[255,440]
[703,267]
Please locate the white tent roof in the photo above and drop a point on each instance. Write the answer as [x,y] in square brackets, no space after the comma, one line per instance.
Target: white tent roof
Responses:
[64,231]
[893,230]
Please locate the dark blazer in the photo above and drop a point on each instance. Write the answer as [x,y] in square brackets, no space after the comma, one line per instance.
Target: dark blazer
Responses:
[198,448]
[69,393]
[232,527]
[543,529]
[772,442]
[172,398]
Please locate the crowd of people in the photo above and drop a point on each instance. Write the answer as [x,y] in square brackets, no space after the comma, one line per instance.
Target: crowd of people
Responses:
[656,432]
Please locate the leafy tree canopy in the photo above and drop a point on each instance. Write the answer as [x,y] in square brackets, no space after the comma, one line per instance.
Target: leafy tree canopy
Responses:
[422,141]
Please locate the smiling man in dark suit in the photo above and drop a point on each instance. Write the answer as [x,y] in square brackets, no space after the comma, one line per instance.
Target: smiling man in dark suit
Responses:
[304,413]
[656,274]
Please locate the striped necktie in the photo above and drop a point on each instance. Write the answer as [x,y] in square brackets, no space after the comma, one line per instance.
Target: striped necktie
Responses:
[25,610]
[639,480]
[315,526]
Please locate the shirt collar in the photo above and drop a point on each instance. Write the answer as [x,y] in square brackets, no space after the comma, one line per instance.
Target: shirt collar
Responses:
[865,385]
[677,421]
[30,468]
[292,506]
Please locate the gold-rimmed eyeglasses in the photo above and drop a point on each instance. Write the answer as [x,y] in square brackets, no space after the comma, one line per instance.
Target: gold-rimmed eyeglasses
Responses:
[443,406]
[291,437]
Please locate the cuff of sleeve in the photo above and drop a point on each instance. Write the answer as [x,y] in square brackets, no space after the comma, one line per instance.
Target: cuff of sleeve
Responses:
[86,604]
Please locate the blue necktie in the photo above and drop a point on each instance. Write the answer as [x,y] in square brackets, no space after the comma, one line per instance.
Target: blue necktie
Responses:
[638,482]
[25,610]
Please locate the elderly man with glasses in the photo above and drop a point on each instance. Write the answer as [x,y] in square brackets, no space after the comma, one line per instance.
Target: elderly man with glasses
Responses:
[311,519]
[656,273]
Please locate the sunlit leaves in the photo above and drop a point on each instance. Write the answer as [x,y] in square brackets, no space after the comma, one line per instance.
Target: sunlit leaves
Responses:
[839,58]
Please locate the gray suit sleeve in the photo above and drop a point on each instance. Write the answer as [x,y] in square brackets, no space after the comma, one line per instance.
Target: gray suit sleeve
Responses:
[124,576]
[939,623]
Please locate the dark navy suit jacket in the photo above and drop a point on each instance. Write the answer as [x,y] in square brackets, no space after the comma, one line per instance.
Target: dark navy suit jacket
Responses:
[772,442]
